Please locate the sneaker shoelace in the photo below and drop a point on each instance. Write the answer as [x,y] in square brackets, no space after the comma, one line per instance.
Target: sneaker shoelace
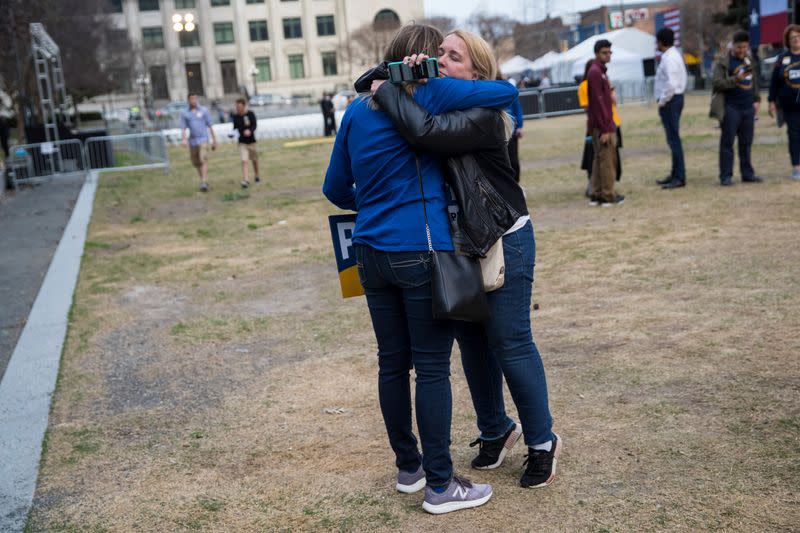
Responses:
[539,461]
[464,482]
[487,447]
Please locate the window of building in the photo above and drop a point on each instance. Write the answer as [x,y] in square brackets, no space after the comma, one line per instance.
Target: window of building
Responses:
[255,1]
[148,5]
[184,4]
[152,38]
[296,68]
[288,0]
[216,3]
[325,25]
[264,69]
[223,32]
[386,19]
[329,64]
[292,29]
[115,6]
[189,38]
[258,30]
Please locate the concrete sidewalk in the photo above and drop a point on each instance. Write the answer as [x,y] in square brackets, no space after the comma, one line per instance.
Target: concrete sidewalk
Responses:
[32,221]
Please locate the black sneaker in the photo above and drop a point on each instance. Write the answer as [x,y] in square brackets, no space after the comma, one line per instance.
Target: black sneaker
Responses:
[541,465]
[204,187]
[618,200]
[492,452]
[258,180]
[245,184]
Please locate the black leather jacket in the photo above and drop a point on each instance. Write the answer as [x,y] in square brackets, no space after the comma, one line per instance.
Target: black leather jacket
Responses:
[477,162]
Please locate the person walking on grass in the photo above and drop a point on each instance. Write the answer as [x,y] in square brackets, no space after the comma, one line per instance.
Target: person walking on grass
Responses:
[197,120]
[784,93]
[244,121]
[735,104]
[669,87]
[601,125]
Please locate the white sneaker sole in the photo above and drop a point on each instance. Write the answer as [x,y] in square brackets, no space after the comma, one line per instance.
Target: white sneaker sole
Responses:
[510,442]
[449,507]
[411,489]
[559,448]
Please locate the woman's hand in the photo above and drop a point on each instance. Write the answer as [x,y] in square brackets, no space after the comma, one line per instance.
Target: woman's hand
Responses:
[375,85]
[415,59]
[773,109]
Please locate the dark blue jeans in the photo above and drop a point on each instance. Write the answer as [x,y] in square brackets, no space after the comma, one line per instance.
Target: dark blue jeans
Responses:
[398,290]
[738,123]
[504,346]
[792,119]
[671,119]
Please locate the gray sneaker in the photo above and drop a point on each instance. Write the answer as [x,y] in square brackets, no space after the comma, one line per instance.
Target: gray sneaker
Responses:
[459,494]
[410,482]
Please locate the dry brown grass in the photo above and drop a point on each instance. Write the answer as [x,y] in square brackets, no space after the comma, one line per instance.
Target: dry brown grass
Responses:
[208,339]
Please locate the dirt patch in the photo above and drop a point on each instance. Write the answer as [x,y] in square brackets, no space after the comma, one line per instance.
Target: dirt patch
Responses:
[216,381]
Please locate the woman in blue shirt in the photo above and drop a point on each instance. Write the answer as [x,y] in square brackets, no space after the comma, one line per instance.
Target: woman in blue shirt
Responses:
[374,171]
[784,92]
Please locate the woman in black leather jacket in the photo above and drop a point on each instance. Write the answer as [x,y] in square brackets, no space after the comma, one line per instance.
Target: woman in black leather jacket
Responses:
[491,205]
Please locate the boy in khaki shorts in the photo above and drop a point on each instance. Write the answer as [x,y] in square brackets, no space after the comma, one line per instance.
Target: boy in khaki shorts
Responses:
[244,122]
[197,120]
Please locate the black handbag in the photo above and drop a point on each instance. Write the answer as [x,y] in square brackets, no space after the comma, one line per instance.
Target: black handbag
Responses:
[456,280]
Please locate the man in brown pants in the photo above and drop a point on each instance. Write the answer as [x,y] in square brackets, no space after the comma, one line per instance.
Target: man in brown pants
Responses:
[604,131]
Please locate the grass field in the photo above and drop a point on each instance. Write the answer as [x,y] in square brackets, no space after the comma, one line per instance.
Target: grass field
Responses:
[214,380]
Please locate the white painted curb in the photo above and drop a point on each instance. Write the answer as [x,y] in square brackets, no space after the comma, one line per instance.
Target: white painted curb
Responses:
[27,386]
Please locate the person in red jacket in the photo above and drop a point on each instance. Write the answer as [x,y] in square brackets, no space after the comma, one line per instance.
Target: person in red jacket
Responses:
[601,125]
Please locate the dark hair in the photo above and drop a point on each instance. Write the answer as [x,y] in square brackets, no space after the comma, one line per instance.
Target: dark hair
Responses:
[586,69]
[190,95]
[741,36]
[241,101]
[791,28]
[413,39]
[602,43]
[666,36]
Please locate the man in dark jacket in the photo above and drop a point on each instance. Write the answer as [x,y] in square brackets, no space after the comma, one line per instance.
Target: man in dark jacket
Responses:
[328,114]
[244,121]
[601,125]
[735,104]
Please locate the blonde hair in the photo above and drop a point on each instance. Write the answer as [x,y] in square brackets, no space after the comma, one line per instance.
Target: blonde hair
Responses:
[484,65]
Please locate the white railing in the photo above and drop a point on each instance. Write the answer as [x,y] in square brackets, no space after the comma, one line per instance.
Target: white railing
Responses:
[36,162]
[127,152]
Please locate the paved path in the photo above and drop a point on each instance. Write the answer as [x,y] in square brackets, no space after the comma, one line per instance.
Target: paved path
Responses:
[27,386]
[31,223]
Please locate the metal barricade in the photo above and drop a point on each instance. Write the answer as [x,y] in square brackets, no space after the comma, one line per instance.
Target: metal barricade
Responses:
[36,162]
[560,101]
[127,152]
[556,101]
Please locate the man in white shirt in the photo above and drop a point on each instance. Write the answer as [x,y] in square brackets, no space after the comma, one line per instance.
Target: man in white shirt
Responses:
[669,87]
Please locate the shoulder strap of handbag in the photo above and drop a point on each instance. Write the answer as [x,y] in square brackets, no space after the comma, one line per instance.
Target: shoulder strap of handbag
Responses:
[424,211]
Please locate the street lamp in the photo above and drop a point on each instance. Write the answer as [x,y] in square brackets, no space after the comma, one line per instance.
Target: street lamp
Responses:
[254,73]
[183,23]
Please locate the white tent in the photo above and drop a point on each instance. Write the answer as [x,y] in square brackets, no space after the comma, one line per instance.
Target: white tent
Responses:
[545,62]
[629,48]
[515,65]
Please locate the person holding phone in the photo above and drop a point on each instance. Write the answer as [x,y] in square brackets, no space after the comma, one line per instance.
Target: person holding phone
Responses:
[735,104]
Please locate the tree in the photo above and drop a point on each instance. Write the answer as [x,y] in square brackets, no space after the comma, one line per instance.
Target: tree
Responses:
[701,29]
[442,22]
[734,15]
[90,47]
[493,28]
[366,45]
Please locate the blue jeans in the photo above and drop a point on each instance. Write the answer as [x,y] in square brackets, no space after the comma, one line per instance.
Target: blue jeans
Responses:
[671,119]
[504,346]
[738,123]
[398,290]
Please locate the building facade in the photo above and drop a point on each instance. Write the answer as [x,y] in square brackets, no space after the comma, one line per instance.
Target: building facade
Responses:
[283,47]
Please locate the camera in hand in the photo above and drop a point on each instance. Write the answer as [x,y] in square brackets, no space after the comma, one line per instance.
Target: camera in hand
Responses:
[400,72]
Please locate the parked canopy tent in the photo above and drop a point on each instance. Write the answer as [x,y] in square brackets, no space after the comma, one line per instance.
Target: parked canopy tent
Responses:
[629,48]
[515,65]
[544,62]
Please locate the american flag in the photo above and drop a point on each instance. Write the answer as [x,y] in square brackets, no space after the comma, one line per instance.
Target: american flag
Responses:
[670,19]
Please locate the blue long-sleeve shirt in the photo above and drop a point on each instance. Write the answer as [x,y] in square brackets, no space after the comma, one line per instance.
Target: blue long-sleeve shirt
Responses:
[373,170]
[784,85]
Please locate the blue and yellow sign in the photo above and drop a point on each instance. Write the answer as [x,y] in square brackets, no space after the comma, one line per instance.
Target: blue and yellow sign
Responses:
[342,234]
